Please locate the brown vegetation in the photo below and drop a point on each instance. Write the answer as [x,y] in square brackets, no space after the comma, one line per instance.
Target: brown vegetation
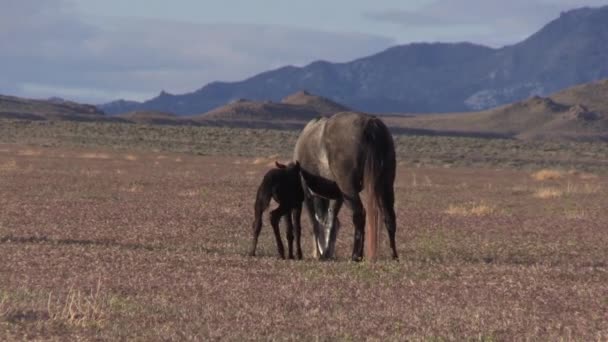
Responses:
[153,248]
[546,174]
[587,158]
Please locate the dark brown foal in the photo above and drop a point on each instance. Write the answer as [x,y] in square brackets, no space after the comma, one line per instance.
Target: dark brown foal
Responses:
[283,184]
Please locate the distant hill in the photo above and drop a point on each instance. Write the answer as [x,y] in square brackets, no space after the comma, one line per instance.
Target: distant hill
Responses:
[592,95]
[15,107]
[300,106]
[579,113]
[255,110]
[426,78]
[292,112]
[322,105]
[156,118]
[120,107]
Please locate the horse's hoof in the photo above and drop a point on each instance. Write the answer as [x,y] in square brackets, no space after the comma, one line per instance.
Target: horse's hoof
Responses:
[357,258]
[325,257]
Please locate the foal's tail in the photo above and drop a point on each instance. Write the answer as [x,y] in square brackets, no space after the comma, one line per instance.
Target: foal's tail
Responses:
[262,198]
[262,201]
[378,174]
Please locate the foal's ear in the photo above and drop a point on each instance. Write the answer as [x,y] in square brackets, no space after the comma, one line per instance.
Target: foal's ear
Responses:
[279,165]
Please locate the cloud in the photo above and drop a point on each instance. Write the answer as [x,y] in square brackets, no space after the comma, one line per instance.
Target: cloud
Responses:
[492,22]
[55,51]
[29,27]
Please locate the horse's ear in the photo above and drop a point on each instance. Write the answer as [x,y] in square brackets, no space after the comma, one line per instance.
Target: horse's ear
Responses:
[279,165]
[297,165]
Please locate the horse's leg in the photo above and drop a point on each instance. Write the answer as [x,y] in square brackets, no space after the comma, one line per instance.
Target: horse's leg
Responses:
[354,202]
[296,215]
[315,226]
[289,233]
[388,199]
[275,217]
[332,220]
[324,213]
[318,208]
[256,228]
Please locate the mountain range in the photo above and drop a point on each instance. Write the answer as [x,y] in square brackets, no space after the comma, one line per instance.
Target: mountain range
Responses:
[424,77]
[576,113]
[292,111]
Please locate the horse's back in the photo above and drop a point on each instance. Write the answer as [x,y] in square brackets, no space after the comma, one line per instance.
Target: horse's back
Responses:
[343,137]
[333,149]
[310,150]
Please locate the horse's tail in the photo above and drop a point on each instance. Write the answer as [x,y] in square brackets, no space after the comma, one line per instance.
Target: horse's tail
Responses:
[379,168]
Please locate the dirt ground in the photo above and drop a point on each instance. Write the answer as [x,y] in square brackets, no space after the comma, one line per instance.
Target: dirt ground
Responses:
[113,245]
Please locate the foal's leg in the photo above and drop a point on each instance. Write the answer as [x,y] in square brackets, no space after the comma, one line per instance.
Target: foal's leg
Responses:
[296,215]
[275,217]
[354,202]
[289,233]
[256,228]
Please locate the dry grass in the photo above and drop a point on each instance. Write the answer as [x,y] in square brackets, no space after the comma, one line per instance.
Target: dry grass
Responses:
[576,214]
[475,209]
[4,310]
[587,176]
[568,189]
[189,193]
[9,165]
[546,175]
[133,187]
[426,181]
[584,189]
[266,161]
[81,309]
[412,151]
[90,172]
[29,152]
[95,155]
[548,192]
[520,189]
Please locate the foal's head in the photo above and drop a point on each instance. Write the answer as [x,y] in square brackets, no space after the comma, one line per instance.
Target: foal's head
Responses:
[290,167]
[290,175]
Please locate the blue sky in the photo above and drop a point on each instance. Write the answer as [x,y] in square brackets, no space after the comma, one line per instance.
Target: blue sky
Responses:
[96,51]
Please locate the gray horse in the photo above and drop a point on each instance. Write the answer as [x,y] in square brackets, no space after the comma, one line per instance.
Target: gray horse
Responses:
[341,156]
